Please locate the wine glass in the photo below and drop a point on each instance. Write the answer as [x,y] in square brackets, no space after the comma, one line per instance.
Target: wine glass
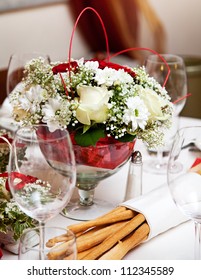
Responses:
[176,87]
[16,67]
[60,244]
[41,172]
[184,177]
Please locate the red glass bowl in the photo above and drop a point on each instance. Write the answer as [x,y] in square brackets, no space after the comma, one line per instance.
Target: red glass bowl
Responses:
[107,154]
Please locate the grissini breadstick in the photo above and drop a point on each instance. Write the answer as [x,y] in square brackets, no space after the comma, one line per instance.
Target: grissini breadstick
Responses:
[115,210]
[51,242]
[96,237]
[112,218]
[60,251]
[88,232]
[124,246]
[114,238]
[81,255]
[83,226]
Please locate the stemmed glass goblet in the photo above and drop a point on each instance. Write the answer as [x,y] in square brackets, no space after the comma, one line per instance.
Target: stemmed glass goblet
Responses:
[94,164]
[176,87]
[41,172]
[184,177]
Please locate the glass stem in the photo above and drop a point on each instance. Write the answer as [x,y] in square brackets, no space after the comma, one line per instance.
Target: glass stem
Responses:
[197,241]
[86,197]
[159,158]
[42,241]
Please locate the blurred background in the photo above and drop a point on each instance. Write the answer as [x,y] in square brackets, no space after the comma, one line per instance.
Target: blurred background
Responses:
[46,25]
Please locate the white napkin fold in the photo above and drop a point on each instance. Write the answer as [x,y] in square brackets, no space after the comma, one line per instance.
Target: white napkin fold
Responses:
[159,209]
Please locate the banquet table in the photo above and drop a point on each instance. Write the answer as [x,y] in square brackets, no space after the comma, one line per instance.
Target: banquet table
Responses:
[175,244]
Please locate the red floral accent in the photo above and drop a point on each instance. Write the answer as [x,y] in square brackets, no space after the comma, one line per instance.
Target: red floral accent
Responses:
[103,64]
[64,67]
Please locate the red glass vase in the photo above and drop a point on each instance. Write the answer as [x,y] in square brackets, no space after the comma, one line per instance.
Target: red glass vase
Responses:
[108,153]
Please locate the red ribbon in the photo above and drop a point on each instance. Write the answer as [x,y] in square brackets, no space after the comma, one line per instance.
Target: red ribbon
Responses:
[196,162]
[25,179]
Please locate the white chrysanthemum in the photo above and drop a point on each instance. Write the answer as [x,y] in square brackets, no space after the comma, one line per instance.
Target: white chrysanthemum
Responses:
[91,65]
[136,113]
[106,76]
[123,77]
[49,113]
[30,100]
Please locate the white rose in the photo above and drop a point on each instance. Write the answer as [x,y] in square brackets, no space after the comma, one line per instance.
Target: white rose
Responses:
[93,104]
[154,104]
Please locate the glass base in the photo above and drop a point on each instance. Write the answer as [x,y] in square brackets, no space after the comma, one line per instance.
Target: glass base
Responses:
[79,212]
[156,167]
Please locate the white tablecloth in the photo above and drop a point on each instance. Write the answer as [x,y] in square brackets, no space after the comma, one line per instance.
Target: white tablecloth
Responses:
[176,243]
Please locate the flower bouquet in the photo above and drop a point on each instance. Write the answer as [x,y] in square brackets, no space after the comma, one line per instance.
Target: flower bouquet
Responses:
[93,99]
[105,107]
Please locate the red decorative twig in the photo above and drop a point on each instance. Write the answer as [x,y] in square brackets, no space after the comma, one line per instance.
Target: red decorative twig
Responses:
[63,82]
[150,50]
[74,28]
[181,98]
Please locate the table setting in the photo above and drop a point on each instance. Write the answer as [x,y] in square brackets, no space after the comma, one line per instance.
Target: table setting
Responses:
[174,243]
[71,129]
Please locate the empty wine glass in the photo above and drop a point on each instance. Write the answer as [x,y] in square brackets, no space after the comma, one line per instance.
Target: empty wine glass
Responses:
[184,177]
[176,87]
[41,172]
[16,67]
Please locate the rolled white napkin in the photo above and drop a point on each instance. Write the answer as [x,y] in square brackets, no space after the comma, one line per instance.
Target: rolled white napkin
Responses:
[158,207]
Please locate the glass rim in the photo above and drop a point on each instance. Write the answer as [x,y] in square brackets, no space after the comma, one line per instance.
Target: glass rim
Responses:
[174,58]
[25,133]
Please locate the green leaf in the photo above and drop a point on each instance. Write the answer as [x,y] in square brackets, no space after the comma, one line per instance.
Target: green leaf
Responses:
[3,227]
[90,137]
[127,138]
[85,128]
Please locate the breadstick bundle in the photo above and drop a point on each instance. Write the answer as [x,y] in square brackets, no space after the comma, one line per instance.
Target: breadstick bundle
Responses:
[112,236]
[109,237]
